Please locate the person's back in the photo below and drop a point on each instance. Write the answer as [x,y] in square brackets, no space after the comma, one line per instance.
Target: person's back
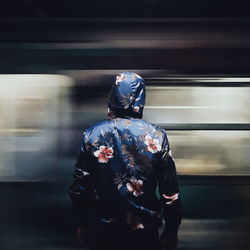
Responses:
[123,160]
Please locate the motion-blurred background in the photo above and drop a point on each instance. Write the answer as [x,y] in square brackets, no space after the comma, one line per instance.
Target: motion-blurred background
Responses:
[58,60]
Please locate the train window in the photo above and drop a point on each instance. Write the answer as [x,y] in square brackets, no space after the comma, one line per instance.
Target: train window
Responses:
[198,105]
[211,152]
[29,122]
[208,126]
[42,117]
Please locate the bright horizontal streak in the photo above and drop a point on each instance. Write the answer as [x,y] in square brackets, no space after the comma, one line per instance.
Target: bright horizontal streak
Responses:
[203,79]
[225,80]
[35,86]
[20,130]
[178,107]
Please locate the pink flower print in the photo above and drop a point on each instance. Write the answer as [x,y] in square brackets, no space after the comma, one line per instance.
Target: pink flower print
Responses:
[171,198]
[136,109]
[134,221]
[153,144]
[139,226]
[104,154]
[119,78]
[135,186]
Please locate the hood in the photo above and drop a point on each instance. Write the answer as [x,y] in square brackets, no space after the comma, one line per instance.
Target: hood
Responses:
[127,96]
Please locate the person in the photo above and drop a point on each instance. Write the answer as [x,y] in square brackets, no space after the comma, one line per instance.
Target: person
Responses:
[122,161]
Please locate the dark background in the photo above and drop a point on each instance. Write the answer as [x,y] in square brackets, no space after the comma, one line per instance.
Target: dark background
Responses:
[90,42]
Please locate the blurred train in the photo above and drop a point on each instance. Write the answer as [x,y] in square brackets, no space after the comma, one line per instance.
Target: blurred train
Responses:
[51,90]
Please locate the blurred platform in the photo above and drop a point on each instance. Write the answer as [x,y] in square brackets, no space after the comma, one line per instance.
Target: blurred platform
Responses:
[38,216]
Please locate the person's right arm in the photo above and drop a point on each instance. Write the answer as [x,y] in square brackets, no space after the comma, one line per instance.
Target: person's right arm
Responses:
[81,191]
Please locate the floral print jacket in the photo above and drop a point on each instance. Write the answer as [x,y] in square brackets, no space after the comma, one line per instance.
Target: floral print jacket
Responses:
[123,161]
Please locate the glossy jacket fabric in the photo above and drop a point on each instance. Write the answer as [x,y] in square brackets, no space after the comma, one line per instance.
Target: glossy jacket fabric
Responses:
[123,159]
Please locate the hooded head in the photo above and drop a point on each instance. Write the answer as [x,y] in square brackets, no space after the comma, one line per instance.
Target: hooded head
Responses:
[127,96]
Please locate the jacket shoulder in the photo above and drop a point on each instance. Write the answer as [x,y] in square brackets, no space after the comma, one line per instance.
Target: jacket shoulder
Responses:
[154,127]
[98,125]
[96,129]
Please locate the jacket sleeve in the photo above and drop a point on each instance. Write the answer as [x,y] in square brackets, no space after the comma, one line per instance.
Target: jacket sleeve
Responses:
[81,189]
[169,188]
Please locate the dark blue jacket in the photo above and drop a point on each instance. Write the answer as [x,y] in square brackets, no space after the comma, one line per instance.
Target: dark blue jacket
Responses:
[123,159]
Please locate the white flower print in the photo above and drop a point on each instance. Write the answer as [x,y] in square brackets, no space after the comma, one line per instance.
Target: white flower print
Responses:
[104,154]
[119,78]
[152,144]
[136,109]
[171,198]
[134,222]
[135,186]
